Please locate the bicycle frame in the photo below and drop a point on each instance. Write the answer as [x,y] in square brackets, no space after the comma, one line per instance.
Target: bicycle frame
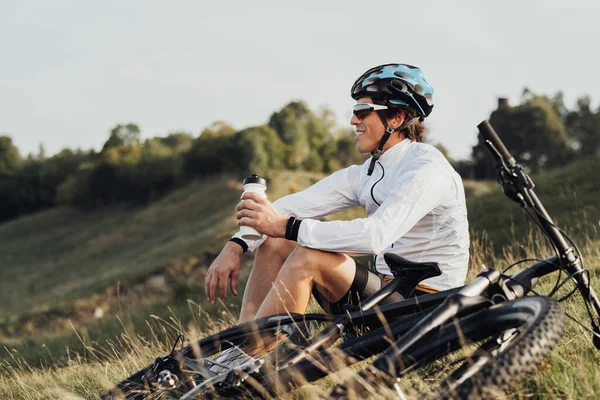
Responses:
[480,292]
[519,187]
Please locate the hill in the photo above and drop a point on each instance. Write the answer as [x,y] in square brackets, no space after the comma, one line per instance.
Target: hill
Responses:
[570,194]
[63,254]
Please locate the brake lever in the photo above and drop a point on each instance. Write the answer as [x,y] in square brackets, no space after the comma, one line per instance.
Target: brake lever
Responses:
[507,178]
[496,154]
[180,338]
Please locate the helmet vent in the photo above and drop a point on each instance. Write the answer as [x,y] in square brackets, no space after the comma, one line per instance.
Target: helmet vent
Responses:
[399,85]
[402,75]
[370,81]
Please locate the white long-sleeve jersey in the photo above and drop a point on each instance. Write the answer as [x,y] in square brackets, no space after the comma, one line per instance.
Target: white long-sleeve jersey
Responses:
[415,205]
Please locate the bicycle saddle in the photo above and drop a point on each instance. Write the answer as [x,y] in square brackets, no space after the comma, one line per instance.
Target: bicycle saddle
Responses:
[410,272]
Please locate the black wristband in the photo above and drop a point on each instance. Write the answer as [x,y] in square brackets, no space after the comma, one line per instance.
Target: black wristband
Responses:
[288,228]
[239,241]
[295,229]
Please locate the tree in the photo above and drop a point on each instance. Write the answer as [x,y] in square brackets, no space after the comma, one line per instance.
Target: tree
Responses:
[123,135]
[257,150]
[218,128]
[346,153]
[208,155]
[290,123]
[584,126]
[55,170]
[10,159]
[532,131]
[178,141]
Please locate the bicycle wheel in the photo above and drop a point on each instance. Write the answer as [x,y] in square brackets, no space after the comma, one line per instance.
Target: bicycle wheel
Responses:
[290,353]
[174,375]
[505,342]
[309,364]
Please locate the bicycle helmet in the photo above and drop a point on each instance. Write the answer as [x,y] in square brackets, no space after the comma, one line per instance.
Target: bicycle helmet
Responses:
[396,85]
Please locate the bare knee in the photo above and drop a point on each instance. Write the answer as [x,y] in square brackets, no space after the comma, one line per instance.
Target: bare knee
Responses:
[311,261]
[277,247]
[273,253]
[332,272]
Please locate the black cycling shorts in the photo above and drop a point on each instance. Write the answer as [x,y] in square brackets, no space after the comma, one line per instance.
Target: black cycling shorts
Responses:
[365,284]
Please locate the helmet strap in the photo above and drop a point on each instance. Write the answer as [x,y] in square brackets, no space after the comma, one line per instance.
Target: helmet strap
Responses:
[388,133]
[379,151]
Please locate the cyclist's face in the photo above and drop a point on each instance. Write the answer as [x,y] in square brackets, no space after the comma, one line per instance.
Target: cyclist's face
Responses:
[369,130]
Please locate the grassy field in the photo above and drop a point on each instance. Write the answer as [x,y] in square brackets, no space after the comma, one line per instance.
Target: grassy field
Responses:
[52,258]
[144,269]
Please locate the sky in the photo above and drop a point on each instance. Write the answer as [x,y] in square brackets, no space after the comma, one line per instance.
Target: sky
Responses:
[72,70]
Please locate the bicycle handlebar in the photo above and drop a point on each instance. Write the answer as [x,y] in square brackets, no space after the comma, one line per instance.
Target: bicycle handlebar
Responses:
[523,184]
[490,134]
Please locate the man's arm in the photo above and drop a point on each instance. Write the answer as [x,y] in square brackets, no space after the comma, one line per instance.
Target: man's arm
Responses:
[336,192]
[417,193]
[333,193]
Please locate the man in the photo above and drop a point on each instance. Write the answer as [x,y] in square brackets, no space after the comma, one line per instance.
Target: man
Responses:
[413,198]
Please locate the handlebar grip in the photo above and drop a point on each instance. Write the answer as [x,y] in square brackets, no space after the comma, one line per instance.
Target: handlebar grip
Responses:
[486,130]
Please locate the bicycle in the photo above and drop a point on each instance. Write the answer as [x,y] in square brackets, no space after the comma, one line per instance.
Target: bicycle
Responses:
[510,330]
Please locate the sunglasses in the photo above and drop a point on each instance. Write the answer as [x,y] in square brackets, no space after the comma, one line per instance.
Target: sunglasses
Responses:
[362,110]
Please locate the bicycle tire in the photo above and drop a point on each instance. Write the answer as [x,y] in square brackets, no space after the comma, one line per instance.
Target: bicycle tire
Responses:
[297,329]
[538,322]
[522,355]
[275,381]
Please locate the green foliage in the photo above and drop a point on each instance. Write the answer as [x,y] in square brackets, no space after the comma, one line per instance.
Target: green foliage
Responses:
[59,168]
[570,193]
[208,155]
[584,126]
[177,141]
[532,131]
[541,132]
[74,190]
[345,152]
[34,185]
[131,171]
[258,150]
[218,128]
[123,135]
[10,159]
[291,124]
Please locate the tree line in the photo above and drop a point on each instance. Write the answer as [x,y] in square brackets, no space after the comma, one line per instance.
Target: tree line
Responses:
[129,170]
[540,131]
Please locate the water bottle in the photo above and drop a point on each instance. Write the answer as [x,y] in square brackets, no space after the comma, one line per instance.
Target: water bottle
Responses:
[254,184]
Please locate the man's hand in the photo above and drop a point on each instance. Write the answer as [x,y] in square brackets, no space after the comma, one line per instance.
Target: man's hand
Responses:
[225,266]
[258,212]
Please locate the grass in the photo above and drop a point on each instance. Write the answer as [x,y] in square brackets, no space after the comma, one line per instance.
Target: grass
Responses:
[63,263]
[54,257]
